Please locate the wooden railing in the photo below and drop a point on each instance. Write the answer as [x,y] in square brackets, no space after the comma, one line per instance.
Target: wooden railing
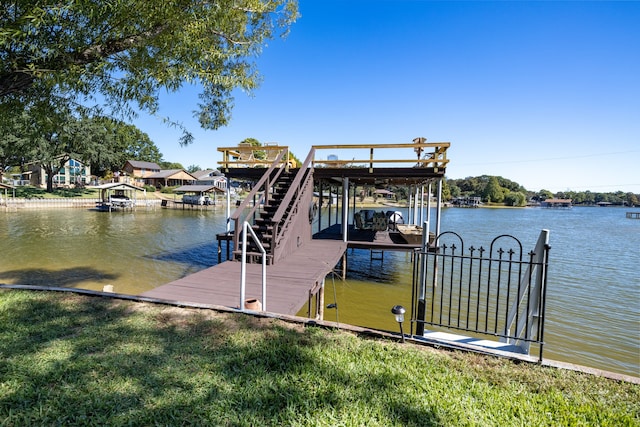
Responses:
[260,193]
[246,155]
[283,217]
[427,154]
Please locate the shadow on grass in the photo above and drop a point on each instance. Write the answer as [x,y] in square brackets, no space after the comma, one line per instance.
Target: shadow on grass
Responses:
[74,360]
[68,277]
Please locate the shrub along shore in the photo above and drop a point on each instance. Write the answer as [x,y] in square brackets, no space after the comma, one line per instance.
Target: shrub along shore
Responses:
[68,359]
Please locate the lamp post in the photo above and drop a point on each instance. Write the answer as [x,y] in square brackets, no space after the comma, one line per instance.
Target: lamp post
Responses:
[398,311]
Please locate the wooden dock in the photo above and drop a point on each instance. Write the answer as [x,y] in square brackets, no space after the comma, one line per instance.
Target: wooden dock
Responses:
[289,282]
[633,215]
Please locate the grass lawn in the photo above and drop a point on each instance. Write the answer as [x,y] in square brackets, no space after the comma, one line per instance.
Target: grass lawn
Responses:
[40,193]
[67,359]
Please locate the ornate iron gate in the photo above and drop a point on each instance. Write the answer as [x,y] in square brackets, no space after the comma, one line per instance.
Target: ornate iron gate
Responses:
[499,291]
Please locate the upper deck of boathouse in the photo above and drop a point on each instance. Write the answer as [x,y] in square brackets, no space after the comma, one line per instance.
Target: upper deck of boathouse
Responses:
[418,162]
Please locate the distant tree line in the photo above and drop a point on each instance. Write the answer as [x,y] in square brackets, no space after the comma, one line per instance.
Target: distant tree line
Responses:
[499,190]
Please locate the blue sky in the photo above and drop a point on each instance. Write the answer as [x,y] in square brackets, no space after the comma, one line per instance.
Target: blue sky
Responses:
[546,94]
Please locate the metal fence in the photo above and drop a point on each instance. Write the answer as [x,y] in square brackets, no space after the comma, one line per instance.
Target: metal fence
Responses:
[499,291]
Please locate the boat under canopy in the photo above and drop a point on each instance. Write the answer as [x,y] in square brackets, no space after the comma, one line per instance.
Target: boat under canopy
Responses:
[118,196]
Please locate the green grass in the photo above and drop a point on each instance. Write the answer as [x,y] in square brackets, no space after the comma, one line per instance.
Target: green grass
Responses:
[40,193]
[67,359]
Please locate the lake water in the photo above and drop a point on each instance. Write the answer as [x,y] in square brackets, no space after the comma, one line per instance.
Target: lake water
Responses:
[593,308]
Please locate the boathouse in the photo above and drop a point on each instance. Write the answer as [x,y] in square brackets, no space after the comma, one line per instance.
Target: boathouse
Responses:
[278,249]
[5,191]
[556,203]
[271,251]
[119,196]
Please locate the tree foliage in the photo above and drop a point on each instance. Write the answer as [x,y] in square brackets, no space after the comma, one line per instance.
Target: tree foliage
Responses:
[14,144]
[493,192]
[170,165]
[515,198]
[53,144]
[513,194]
[54,134]
[258,154]
[122,142]
[127,52]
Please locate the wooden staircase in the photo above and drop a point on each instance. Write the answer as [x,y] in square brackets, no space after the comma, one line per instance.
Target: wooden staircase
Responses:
[281,213]
[264,225]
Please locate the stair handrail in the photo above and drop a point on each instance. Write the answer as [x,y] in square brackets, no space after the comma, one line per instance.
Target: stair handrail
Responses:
[270,176]
[305,171]
[246,227]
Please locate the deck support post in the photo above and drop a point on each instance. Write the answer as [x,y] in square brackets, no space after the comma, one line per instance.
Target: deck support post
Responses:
[228,204]
[344,265]
[421,203]
[429,203]
[438,209]
[337,207]
[320,205]
[354,199]
[415,207]
[410,219]
[345,209]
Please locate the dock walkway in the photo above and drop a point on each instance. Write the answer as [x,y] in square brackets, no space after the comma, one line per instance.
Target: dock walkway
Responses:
[289,282]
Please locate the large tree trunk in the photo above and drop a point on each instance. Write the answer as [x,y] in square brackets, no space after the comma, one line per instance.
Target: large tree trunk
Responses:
[50,174]
[52,169]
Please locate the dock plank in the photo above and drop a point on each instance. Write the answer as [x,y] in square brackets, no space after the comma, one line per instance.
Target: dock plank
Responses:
[288,281]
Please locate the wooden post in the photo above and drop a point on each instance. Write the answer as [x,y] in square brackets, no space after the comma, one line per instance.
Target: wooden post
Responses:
[345,208]
[320,198]
[320,308]
[371,160]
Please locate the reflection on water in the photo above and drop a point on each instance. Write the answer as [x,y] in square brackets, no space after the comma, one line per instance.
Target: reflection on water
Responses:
[134,252]
[593,306]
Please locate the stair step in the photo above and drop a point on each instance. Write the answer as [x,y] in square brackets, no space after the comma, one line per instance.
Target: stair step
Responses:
[264,221]
[261,228]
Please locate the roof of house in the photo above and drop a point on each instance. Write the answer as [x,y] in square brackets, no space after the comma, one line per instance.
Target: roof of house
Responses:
[7,186]
[557,201]
[139,164]
[197,189]
[118,186]
[168,173]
